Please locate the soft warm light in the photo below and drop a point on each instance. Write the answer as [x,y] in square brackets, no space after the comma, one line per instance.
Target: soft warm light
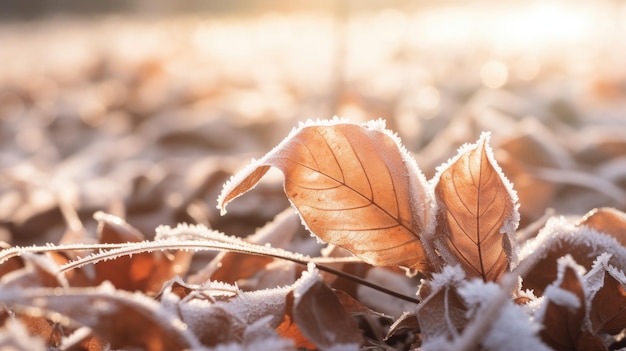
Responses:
[527,27]
[527,68]
[494,74]
[428,98]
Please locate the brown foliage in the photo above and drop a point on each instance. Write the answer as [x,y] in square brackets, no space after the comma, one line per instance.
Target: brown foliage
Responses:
[475,210]
[354,186]
[351,185]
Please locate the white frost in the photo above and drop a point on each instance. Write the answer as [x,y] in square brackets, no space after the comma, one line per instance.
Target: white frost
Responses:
[449,276]
[512,329]
[558,233]
[555,294]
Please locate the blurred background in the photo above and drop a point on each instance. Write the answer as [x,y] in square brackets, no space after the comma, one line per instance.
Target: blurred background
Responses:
[144,108]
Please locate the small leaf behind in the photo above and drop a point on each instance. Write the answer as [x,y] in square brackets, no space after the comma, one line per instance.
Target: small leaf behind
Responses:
[605,284]
[442,313]
[353,185]
[607,220]
[476,206]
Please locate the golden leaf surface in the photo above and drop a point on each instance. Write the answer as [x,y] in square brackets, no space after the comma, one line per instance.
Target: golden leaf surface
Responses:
[475,208]
[353,185]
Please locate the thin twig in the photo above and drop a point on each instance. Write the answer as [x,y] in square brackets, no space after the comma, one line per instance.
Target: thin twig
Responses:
[127,249]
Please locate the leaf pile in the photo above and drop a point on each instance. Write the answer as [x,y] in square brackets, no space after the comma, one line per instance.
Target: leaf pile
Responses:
[114,135]
[358,189]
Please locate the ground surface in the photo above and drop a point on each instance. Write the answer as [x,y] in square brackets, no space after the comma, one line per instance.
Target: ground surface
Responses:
[146,118]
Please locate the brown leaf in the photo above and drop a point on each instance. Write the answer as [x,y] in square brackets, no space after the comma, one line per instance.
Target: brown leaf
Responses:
[288,328]
[609,306]
[321,317]
[476,207]
[559,238]
[406,322]
[534,193]
[12,264]
[565,310]
[229,267]
[123,319]
[145,271]
[354,186]
[608,302]
[38,271]
[354,307]
[308,312]
[607,220]
[442,312]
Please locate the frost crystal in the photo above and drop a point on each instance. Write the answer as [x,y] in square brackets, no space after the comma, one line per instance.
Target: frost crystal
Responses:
[513,329]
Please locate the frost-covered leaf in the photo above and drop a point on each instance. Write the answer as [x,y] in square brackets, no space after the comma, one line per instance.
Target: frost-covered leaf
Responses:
[442,313]
[564,310]
[607,220]
[353,185]
[512,328]
[322,319]
[559,238]
[606,285]
[144,271]
[230,267]
[215,312]
[121,318]
[220,314]
[38,271]
[477,213]
[112,229]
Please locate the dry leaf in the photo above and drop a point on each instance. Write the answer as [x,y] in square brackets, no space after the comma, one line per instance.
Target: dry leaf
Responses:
[533,144]
[354,307]
[564,311]
[145,271]
[535,194]
[288,328]
[609,306]
[322,319]
[406,322]
[38,271]
[219,313]
[607,220]
[559,238]
[442,313]
[122,319]
[229,267]
[606,286]
[12,264]
[477,213]
[353,185]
